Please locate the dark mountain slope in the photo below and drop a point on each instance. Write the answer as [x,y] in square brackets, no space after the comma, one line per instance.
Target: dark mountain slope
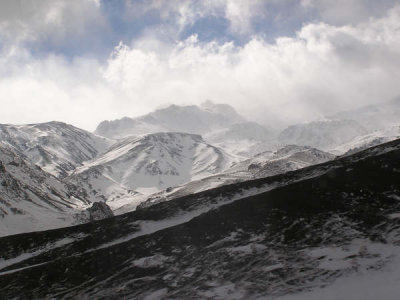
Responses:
[275,242]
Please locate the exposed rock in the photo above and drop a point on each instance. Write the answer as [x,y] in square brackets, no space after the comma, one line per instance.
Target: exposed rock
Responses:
[99,211]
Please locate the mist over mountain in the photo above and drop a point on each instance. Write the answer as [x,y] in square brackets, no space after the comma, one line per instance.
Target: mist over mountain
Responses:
[322,134]
[374,117]
[190,119]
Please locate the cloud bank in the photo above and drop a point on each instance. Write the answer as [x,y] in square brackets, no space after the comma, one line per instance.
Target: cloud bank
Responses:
[326,65]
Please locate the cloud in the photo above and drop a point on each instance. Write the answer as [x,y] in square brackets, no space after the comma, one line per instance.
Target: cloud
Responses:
[341,12]
[53,88]
[242,13]
[50,24]
[321,69]
[181,14]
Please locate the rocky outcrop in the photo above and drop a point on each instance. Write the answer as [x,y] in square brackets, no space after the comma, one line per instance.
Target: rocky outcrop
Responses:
[99,211]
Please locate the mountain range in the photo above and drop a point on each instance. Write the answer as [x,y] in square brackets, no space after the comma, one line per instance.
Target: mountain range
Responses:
[169,153]
[199,202]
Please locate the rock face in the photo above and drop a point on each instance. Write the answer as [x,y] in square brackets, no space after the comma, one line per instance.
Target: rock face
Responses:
[259,239]
[31,199]
[99,211]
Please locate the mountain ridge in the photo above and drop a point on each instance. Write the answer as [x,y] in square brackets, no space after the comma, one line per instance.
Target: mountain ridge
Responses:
[55,146]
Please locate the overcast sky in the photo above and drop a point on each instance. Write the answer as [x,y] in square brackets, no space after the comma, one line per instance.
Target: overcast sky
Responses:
[290,60]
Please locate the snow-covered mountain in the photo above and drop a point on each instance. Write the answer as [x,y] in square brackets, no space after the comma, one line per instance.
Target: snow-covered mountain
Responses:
[174,118]
[281,236]
[55,146]
[325,134]
[149,163]
[374,117]
[285,159]
[269,163]
[32,199]
[219,124]
[362,142]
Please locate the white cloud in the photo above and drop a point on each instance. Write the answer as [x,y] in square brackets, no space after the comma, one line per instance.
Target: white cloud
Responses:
[40,90]
[242,13]
[55,21]
[322,69]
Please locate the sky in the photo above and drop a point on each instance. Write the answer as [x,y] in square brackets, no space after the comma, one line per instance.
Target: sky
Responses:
[275,61]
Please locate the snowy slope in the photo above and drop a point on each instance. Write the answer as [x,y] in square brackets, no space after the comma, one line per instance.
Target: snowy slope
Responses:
[55,146]
[289,235]
[149,163]
[325,134]
[174,118]
[31,199]
[288,158]
[362,142]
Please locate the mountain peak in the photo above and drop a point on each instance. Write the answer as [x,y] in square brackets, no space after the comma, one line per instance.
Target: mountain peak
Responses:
[174,118]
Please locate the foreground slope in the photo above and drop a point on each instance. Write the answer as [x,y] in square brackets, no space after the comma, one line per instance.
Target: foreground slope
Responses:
[269,237]
[54,146]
